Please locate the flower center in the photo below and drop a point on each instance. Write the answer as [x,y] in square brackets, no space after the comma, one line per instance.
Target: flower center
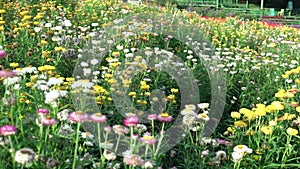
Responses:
[164,115]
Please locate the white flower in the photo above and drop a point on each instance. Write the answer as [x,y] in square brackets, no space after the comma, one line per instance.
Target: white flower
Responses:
[94,61]
[205,153]
[54,81]
[48,25]
[221,154]
[148,165]
[41,85]
[109,155]
[84,64]
[187,112]
[58,28]
[242,149]
[89,143]
[63,115]
[28,69]
[190,107]
[37,29]
[86,71]
[188,120]
[56,39]
[87,135]
[95,24]
[107,145]
[24,156]
[67,23]
[82,84]
[236,156]
[11,80]
[203,105]
[65,130]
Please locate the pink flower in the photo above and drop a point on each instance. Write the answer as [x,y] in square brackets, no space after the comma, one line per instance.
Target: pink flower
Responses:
[8,130]
[7,73]
[107,129]
[48,121]
[42,112]
[133,160]
[148,139]
[98,117]
[78,116]
[152,116]
[2,54]
[131,121]
[164,117]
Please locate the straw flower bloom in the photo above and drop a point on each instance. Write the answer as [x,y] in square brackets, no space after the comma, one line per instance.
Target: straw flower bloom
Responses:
[291,131]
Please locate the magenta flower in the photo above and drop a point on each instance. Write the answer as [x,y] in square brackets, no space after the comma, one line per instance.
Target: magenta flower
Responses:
[2,54]
[148,139]
[98,117]
[152,116]
[131,121]
[8,130]
[42,112]
[78,116]
[48,121]
[7,73]
[164,117]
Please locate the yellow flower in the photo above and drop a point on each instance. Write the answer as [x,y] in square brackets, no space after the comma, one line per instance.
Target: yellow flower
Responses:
[60,49]
[277,105]
[266,130]
[291,131]
[115,54]
[245,111]
[43,42]
[23,13]
[144,102]
[132,94]
[145,87]
[2,11]
[26,17]
[14,64]
[235,115]
[70,79]
[240,124]
[291,117]
[260,106]
[171,97]
[250,133]
[272,123]
[298,109]
[29,84]
[260,112]
[174,90]
[285,76]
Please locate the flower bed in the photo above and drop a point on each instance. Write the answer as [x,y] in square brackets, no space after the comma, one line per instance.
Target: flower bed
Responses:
[64,107]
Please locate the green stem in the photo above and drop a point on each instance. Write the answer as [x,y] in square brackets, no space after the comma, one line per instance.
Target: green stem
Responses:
[117,145]
[131,140]
[12,152]
[76,146]
[99,138]
[146,152]
[160,139]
